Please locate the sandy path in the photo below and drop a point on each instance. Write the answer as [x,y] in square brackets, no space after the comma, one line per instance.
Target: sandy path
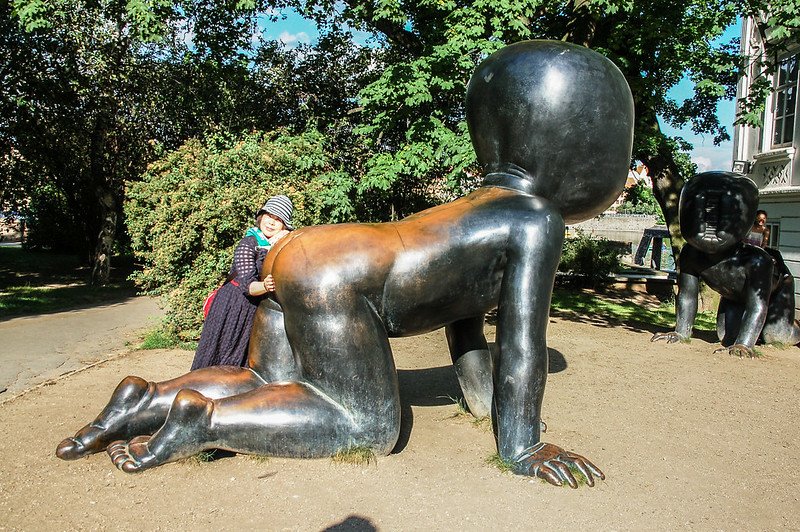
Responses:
[687,439]
[34,349]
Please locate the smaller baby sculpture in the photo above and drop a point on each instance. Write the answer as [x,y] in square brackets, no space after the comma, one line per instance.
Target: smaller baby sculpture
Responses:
[716,211]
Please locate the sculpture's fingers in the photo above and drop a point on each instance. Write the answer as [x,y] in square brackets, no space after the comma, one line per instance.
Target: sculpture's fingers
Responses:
[116,449]
[564,473]
[545,472]
[591,467]
[577,462]
[741,350]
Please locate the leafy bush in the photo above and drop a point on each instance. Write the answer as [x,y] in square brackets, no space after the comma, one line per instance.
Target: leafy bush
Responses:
[589,261]
[193,205]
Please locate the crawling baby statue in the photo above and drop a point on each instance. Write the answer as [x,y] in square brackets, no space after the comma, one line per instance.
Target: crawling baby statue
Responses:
[552,124]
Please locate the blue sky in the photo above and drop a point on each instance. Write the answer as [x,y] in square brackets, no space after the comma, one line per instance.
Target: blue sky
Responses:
[294,30]
[705,155]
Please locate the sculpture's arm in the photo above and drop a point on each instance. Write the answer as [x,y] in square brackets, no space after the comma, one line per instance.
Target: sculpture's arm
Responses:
[686,303]
[685,309]
[523,314]
[757,293]
[473,363]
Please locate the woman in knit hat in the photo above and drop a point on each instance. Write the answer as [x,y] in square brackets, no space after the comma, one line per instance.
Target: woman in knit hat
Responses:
[229,318]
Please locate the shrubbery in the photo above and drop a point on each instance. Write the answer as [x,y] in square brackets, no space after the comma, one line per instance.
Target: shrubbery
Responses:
[589,261]
[193,206]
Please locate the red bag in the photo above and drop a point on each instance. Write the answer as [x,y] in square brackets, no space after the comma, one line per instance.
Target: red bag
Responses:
[208,301]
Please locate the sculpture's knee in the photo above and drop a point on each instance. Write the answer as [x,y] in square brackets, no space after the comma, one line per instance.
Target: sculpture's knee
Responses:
[191,406]
[130,391]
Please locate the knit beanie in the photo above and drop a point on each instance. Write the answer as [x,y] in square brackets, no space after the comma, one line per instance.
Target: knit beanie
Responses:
[280,206]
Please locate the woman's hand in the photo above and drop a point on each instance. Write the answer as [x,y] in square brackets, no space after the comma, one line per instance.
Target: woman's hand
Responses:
[277,236]
[269,283]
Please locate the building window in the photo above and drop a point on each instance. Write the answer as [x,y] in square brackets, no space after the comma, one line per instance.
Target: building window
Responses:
[785,101]
[774,234]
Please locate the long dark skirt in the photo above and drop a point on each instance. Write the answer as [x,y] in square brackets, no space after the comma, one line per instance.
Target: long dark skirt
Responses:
[226,331]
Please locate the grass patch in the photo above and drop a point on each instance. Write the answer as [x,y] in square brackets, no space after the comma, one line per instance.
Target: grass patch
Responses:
[462,410]
[159,339]
[357,455]
[495,460]
[260,458]
[201,457]
[483,423]
[586,304]
[461,407]
[35,282]
[26,300]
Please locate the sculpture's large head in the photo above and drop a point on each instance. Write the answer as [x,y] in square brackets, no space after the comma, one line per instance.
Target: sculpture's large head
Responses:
[557,118]
[717,210]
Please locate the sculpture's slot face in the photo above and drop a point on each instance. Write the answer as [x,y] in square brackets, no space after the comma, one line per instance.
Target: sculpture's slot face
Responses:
[711,217]
[716,210]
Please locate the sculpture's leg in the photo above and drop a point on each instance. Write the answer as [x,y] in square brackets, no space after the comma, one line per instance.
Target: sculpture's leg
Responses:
[780,326]
[757,294]
[729,320]
[269,353]
[473,363]
[140,407]
[350,399]
[290,419]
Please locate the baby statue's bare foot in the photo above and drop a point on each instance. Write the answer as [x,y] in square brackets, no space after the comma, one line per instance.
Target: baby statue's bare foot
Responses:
[132,456]
[183,434]
[110,424]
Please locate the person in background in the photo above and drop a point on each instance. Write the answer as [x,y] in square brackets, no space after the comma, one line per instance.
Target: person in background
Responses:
[226,330]
[759,233]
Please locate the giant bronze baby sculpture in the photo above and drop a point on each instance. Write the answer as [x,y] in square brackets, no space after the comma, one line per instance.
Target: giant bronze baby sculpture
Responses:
[716,210]
[552,126]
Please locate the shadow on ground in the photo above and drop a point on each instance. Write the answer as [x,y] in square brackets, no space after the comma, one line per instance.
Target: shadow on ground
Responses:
[36,282]
[439,387]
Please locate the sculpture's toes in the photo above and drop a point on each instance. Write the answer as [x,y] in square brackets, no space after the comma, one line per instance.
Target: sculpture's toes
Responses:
[131,456]
[739,350]
[71,449]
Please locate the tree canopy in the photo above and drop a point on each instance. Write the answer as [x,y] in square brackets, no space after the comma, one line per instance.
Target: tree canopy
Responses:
[94,90]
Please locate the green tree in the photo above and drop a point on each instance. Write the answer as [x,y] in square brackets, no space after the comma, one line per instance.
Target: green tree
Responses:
[639,199]
[94,88]
[413,114]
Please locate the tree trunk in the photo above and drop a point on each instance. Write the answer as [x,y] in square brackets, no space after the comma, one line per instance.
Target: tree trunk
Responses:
[667,182]
[101,268]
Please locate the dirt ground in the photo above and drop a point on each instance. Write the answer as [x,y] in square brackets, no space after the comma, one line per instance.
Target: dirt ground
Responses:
[687,439]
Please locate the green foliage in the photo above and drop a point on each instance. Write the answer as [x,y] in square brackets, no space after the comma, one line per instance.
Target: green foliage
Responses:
[192,206]
[495,460]
[159,339]
[639,199]
[589,261]
[356,455]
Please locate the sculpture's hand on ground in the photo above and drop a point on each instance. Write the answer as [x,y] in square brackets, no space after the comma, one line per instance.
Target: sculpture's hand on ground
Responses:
[553,464]
[671,337]
[739,350]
